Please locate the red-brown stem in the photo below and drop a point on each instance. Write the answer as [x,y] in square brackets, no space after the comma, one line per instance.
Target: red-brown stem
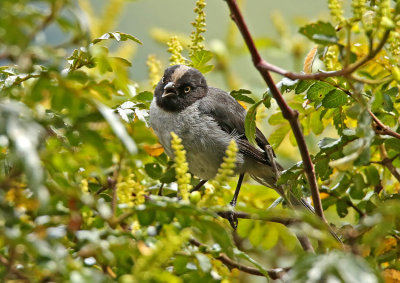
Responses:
[288,113]
[314,76]
[272,273]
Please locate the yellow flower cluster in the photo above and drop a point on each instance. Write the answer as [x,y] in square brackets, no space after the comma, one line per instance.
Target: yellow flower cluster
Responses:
[395,44]
[85,186]
[331,59]
[130,191]
[359,8]
[383,17]
[155,69]
[227,167]
[21,198]
[175,48]
[181,166]
[153,259]
[213,195]
[336,8]
[199,24]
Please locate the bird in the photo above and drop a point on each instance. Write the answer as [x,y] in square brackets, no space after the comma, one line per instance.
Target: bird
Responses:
[207,119]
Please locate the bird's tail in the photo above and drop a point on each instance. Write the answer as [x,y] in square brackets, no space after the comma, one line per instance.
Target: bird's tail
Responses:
[285,191]
[297,202]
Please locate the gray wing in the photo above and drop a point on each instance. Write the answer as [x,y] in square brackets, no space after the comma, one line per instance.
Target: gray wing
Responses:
[230,116]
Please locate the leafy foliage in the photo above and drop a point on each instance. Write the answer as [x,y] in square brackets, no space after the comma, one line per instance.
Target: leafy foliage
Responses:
[81,173]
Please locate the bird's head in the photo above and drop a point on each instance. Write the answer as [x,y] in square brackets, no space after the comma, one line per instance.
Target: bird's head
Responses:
[180,87]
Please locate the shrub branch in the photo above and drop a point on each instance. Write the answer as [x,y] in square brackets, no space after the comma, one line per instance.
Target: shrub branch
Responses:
[288,113]
[272,273]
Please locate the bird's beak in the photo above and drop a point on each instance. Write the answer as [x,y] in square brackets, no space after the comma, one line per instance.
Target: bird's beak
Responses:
[169,90]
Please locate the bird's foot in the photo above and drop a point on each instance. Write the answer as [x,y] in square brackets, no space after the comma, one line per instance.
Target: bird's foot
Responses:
[233,220]
[232,216]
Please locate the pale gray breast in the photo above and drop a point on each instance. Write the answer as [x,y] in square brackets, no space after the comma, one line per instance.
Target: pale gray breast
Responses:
[205,142]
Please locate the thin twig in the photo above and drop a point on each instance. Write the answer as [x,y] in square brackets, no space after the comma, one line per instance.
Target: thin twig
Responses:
[386,161]
[382,129]
[323,75]
[55,8]
[272,273]
[244,215]
[287,112]
[4,261]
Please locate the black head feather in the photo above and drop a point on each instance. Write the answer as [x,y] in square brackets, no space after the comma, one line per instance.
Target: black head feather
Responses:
[180,87]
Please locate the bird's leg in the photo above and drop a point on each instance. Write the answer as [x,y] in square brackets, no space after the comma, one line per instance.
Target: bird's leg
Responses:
[199,185]
[232,218]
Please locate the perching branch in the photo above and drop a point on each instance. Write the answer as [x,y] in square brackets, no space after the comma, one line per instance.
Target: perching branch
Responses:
[387,162]
[381,128]
[244,215]
[272,273]
[4,261]
[320,75]
[288,113]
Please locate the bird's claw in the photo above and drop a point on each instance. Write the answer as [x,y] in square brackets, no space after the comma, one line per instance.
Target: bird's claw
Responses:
[233,220]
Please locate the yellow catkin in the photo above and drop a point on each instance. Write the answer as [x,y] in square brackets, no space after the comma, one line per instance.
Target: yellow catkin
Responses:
[199,25]
[181,167]
[227,167]
[383,16]
[175,49]
[157,255]
[331,59]
[336,8]
[130,192]
[359,8]
[155,69]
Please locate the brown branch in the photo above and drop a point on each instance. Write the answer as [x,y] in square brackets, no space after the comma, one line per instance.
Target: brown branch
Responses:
[387,162]
[245,215]
[287,112]
[303,240]
[4,261]
[272,273]
[381,128]
[323,75]
[55,8]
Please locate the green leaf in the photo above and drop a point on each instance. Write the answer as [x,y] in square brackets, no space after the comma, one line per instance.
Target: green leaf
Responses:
[318,90]
[334,99]
[145,216]
[271,236]
[278,135]
[342,208]
[276,119]
[180,263]
[302,86]
[144,96]
[256,234]
[356,191]
[240,95]
[153,170]
[372,174]
[286,176]
[117,127]
[200,59]
[316,122]
[322,169]
[118,36]
[320,32]
[245,256]
[250,123]
[393,144]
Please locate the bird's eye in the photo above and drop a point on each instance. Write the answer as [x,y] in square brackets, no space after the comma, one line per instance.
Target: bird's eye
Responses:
[187,89]
[162,80]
